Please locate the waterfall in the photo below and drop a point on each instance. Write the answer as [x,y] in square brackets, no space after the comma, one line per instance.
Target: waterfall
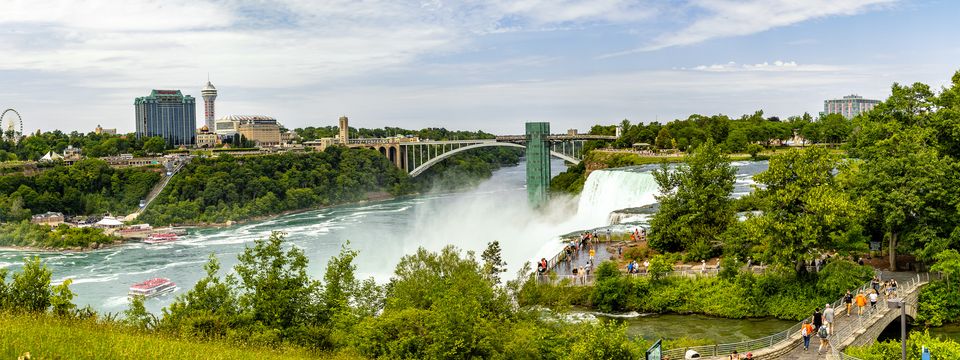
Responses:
[608,190]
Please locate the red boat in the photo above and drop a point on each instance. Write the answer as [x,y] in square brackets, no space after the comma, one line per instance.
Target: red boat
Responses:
[160,238]
[152,287]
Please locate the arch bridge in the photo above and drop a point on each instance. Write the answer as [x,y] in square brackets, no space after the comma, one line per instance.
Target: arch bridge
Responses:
[416,157]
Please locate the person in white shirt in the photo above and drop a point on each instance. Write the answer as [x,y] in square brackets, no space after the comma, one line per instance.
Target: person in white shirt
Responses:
[828,318]
[873,299]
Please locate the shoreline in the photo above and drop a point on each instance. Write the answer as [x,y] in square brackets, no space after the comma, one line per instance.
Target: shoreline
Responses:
[371,198]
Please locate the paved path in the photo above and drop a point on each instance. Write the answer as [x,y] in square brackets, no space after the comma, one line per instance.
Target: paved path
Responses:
[842,320]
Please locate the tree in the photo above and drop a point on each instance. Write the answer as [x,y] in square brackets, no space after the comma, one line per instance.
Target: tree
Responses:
[154,145]
[695,205]
[278,293]
[948,263]
[30,290]
[493,264]
[805,209]
[664,139]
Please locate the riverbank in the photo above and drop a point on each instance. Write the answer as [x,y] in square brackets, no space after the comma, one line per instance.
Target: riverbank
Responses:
[372,197]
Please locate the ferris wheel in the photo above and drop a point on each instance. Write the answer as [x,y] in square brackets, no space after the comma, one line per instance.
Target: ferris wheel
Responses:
[12,125]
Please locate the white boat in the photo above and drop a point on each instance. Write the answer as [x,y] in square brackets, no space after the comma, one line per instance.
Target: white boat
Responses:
[160,238]
[152,287]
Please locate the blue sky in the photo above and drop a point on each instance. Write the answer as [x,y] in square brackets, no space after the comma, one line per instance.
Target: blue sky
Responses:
[489,65]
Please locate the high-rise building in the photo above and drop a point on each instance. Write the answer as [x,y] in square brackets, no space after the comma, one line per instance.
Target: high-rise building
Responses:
[209,94]
[850,106]
[168,114]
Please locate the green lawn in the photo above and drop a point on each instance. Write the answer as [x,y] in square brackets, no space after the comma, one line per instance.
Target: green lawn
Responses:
[46,337]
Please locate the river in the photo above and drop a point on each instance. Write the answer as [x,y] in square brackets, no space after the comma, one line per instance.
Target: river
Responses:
[384,231]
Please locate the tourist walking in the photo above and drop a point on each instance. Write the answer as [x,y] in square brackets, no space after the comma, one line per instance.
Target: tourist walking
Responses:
[592,254]
[734,356]
[817,319]
[806,330]
[828,318]
[875,284]
[873,300]
[824,342]
[848,300]
[703,266]
[861,301]
[646,265]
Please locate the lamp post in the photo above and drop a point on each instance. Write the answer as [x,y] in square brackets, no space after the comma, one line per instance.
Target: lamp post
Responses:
[898,303]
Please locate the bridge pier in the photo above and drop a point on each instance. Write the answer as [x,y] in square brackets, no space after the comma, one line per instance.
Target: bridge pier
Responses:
[538,163]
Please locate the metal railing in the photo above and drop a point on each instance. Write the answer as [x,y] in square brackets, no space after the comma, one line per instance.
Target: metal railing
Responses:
[750,345]
[841,335]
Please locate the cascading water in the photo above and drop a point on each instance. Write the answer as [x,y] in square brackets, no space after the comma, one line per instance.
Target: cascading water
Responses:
[608,190]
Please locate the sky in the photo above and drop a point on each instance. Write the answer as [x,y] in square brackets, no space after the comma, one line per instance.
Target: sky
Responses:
[470,65]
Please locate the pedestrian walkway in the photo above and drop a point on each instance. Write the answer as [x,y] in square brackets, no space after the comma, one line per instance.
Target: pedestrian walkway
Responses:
[787,344]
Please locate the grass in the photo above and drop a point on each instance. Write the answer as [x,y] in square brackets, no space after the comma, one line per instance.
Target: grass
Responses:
[47,337]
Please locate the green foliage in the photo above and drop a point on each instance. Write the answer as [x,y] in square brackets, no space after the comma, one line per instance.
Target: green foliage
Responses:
[48,337]
[744,295]
[154,145]
[940,349]
[276,288]
[137,315]
[805,210]
[840,275]
[605,341]
[229,188]
[695,205]
[30,290]
[754,150]
[61,299]
[938,304]
[89,186]
[61,237]
[493,264]
[659,266]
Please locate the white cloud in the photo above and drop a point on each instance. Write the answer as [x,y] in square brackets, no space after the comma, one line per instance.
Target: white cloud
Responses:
[728,18]
[777,65]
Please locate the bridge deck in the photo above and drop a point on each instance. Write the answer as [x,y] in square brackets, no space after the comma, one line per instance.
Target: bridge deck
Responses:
[847,329]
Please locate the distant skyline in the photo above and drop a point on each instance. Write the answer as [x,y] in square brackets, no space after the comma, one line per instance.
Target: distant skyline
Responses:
[487,65]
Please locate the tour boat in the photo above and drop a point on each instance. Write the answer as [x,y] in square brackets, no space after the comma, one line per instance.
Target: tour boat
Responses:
[160,238]
[152,287]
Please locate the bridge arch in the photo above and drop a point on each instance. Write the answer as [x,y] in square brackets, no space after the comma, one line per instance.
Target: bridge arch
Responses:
[430,163]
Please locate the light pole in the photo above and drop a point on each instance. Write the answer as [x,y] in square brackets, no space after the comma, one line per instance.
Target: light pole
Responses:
[891,303]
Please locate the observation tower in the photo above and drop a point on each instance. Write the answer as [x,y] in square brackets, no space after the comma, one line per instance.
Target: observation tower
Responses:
[209,94]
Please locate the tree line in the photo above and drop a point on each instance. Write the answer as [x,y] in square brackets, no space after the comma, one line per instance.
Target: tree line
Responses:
[215,190]
[36,145]
[88,187]
[733,135]
[896,188]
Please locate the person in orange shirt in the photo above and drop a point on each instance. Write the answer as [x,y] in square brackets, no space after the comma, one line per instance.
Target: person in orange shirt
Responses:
[806,331]
[861,301]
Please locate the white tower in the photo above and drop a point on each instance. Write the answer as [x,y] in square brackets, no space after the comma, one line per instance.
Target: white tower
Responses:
[209,94]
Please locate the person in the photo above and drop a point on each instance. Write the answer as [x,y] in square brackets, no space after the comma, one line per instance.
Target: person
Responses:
[592,254]
[703,266]
[848,300]
[817,319]
[828,318]
[646,265]
[875,284]
[861,302]
[749,355]
[630,268]
[734,355]
[824,342]
[873,300]
[806,330]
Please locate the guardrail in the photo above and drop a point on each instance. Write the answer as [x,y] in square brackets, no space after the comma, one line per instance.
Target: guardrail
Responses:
[749,345]
[842,334]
